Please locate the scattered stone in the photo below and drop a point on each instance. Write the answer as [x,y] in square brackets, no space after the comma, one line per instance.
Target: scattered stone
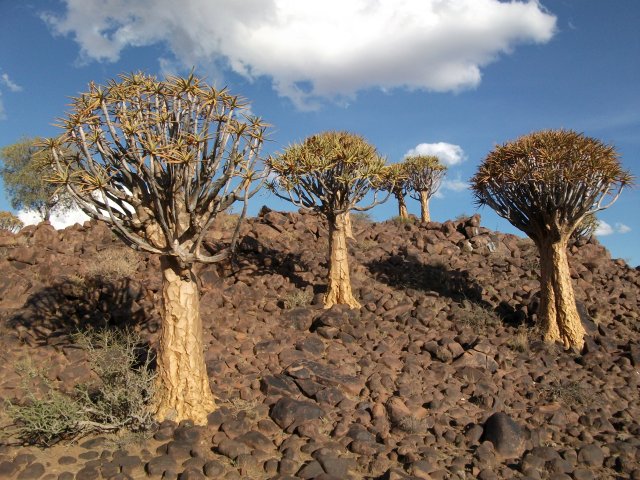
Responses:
[505,434]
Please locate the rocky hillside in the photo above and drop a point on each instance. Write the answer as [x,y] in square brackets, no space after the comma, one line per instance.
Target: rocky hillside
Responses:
[440,375]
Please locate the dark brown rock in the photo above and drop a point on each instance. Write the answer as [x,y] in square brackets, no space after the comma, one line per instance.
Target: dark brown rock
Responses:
[506,435]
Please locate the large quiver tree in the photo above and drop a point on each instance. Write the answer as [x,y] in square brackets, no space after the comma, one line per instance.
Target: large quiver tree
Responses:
[546,184]
[330,173]
[157,161]
[425,174]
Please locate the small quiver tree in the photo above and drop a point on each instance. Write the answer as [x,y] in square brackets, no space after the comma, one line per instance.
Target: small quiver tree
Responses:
[158,161]
[425,174]
[24,169]
[9,222]
[330,173]
[546,183]
[396,181]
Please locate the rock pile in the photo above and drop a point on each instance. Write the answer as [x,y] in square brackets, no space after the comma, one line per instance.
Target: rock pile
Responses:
[440,375]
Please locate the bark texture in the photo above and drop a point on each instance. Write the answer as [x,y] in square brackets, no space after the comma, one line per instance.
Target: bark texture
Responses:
[402,207]
[339,287]
[558,311]
[348,226]
[183,390]
[424,207]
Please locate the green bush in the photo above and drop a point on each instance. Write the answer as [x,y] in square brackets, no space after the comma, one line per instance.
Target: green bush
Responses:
[118,400]
[297,298]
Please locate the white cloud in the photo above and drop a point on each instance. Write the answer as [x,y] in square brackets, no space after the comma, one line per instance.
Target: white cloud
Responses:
[448,153]
[58,220]
[622,228]
[316,50]
[456,185]
[605,229]
[14,87]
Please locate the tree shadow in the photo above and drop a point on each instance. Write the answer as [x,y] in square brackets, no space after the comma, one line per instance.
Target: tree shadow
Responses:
[269,261]
[55,313]
[408,272]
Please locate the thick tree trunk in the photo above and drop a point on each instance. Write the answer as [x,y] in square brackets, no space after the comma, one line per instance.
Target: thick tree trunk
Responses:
[182,386]
[424,207]
[558,311]
[402,207]
[339,288]
[348,226]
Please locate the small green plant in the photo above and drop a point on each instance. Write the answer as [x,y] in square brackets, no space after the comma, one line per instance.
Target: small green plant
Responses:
[118,400]
[113,264]
[297,298]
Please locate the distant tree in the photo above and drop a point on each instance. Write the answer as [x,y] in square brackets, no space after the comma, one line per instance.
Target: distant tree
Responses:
[158,161]
[585,229]
[23,172]
[9,222]
[330,173]
[396,181]
[546,183]
[425,174]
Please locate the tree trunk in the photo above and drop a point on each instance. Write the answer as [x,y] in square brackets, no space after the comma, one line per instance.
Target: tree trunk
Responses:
[402,207]
[182,386]
[339,288]
[558,311]
[424,207]
[348,226]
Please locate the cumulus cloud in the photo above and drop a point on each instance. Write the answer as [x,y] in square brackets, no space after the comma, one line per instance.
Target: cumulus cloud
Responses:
[58,220]
[605,229]
[448,153]
[316,50]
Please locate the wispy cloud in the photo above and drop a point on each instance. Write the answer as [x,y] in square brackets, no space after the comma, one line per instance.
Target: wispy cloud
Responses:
[605,229]
[313,51]
[10,84]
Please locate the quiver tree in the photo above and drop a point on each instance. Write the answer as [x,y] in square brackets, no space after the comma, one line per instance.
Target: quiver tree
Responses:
[9,222]
[24,169]
[546,184]
[396,181]
[425,174]
[330,173]
[157,161]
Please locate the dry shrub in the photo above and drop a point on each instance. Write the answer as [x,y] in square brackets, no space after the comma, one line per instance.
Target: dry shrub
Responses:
[119,400]
[297,298]
[113,264]
[478,317]
[520,341]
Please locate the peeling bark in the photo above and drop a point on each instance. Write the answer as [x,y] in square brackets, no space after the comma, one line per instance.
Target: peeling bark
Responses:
[348,226]
[424,207]
[339,287]
[182,386]
[558,311]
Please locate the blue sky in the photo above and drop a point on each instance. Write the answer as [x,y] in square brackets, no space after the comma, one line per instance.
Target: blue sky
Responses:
[459,76]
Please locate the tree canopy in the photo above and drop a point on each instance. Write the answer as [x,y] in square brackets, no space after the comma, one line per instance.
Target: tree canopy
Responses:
[157,160]
[329,172]
[546,182]
[24,171]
